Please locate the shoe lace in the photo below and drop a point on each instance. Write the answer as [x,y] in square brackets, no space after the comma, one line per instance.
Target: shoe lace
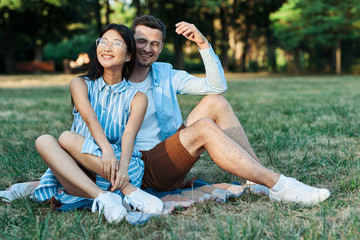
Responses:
[299,186]
[97,205]
[134,202]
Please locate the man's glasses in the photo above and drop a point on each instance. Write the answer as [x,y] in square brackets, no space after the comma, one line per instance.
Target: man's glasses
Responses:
[141,43]
[103,42]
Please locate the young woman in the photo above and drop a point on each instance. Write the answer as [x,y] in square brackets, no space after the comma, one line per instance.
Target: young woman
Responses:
[107,118]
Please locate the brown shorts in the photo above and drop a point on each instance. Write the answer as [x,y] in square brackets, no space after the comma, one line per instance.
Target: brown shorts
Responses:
[167,164]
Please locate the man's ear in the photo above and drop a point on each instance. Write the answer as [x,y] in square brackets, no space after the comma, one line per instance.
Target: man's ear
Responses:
[162,46]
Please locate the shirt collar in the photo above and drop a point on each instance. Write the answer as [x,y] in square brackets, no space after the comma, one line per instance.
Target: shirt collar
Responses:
[116,88]
[153,76]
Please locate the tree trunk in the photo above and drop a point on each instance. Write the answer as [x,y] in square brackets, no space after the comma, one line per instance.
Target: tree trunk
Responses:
[9,53]
[108,11]
[238,54]
[138,7]
[271,50]
[151,7]
[39,52]
[243,57]
[297,62]
[338,57]
[10,61]
[97,16]
[179,59]
[246,36]
[224,43]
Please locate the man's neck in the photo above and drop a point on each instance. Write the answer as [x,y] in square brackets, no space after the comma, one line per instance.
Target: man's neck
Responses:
[139,74]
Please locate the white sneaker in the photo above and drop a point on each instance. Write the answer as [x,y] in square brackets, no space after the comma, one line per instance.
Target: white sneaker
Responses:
[111,205]
[144,202]
[295,191]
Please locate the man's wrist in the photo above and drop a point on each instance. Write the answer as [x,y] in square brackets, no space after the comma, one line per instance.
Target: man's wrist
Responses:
[204,45]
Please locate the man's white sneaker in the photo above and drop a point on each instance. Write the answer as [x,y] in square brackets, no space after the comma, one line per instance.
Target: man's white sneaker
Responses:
[111,205]
[144,202]
[295,191]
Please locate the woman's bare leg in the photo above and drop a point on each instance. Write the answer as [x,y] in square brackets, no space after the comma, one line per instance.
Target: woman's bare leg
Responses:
[74,180]
[72,143]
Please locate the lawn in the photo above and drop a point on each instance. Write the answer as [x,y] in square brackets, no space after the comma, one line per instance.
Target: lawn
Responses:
[304,127]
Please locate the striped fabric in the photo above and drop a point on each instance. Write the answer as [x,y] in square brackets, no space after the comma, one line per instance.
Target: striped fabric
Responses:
[112,107]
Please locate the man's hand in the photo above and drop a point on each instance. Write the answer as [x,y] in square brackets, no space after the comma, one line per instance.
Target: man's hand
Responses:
[189,31]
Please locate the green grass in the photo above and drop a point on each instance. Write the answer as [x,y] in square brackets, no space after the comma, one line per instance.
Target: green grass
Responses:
[304,127]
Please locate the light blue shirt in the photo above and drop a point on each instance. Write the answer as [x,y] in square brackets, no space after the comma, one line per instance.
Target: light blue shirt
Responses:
[168,82]
[149,132]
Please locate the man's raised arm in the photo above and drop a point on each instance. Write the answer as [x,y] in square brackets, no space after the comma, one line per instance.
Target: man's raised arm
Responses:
[215,82]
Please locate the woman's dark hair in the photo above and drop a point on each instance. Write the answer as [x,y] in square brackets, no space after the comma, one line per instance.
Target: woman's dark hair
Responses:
[96,70]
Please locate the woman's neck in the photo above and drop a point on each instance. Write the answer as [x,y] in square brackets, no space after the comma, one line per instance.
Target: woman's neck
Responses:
[112,77]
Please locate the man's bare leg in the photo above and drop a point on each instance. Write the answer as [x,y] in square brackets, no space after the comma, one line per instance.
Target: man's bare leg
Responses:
[225,152]
[204,134]
[218,109]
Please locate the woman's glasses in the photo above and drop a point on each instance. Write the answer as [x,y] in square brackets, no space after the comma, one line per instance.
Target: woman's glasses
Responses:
[103,42]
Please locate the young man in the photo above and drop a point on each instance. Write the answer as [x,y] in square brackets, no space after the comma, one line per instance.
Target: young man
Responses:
[170,146]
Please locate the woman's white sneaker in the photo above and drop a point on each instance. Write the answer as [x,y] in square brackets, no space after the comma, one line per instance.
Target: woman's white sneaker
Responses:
[111,205]
[294,191]
[144,202]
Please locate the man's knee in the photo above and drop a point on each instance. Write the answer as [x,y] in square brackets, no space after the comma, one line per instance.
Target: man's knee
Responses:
[205,126]
[217,102]
[196,136]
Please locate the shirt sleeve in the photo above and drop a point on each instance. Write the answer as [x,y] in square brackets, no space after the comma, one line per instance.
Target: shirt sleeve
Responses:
[213,83]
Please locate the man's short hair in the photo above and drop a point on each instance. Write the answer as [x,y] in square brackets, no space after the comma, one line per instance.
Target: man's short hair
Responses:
[150,22]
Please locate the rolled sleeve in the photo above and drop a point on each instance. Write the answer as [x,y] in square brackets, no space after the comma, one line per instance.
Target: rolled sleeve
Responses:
[213,83]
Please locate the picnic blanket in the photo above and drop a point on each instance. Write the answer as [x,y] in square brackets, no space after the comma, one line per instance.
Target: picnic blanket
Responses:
[195,191]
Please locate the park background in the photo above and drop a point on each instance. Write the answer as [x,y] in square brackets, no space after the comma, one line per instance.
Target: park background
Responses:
[308,36]
[293,81]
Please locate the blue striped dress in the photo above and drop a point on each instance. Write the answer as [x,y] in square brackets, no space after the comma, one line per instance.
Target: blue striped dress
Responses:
[112,107]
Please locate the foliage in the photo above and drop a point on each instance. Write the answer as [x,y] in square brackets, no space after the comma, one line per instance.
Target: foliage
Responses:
[304,24]
[244,33]
[70,48]
[39,22]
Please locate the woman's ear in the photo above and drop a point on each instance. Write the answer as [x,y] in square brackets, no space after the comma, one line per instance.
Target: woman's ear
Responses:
[128,58]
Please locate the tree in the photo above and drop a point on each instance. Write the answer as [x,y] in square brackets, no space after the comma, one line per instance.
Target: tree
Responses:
[40,22]
[305,24]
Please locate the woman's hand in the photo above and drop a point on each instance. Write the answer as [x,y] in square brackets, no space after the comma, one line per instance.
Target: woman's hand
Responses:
[122,179]
[108,163]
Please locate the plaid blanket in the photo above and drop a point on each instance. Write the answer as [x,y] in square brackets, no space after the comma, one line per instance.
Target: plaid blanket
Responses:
[195,191]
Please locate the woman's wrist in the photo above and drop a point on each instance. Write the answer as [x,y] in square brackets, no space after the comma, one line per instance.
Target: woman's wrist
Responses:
[107,149]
